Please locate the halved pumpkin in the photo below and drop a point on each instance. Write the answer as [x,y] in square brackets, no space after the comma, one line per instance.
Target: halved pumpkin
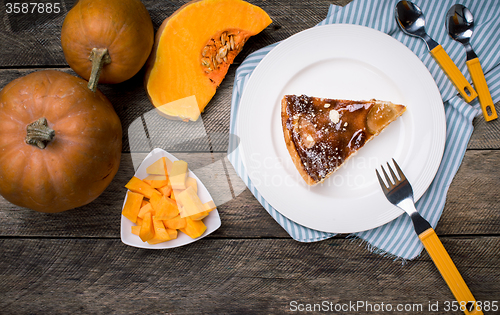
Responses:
[193,50]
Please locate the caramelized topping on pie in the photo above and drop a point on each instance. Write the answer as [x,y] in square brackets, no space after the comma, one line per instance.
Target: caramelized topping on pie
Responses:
[323,133]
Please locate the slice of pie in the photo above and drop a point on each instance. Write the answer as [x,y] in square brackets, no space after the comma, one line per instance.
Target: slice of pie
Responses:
[321,134]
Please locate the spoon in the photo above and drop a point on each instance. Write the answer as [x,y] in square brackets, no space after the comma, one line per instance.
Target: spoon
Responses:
[460,25]
[412,21]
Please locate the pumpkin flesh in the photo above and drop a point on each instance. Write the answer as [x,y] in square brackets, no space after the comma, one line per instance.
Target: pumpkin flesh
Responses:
[187,44]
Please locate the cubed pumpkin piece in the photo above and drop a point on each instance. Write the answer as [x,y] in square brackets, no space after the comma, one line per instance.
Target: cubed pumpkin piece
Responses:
[199,216]
[136,229]
[178,174]
[209,206]
[158,167]
[156,181]
[166,166]
[155,200]
[132,206]
[191,203]
[175,223]
[194,229]
[144,202]
[172,233]
[161,234]
[139,186]
[139,221]
[165,190]
[190,182]
[164,207]
[147,230]
[144,210]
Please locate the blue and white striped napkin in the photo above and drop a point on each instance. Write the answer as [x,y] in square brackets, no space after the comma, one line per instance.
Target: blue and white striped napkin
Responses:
[397,238]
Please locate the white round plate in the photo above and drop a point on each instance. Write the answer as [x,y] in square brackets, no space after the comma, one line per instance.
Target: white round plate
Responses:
[341,62]
[212,221]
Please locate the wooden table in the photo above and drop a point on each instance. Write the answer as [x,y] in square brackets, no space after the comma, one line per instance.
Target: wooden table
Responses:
[75,262]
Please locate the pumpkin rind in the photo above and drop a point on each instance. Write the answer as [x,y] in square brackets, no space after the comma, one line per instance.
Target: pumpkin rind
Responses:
[124,27]
[174,70]
[82,159]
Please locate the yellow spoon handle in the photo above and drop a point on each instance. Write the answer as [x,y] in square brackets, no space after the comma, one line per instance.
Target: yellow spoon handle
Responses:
[455,75]
[449,272]
[476,72]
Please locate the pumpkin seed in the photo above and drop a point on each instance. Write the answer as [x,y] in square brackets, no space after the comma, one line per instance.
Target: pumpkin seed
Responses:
[205,51]
[217,49]
[205,63]
[231,41]
[223,38]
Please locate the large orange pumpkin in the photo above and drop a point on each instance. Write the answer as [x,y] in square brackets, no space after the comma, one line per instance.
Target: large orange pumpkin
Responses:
[60,143]
[107,41]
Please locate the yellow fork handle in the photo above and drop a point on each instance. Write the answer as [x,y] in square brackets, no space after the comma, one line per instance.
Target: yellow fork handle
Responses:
[455,75]
[448,270]
[476,72]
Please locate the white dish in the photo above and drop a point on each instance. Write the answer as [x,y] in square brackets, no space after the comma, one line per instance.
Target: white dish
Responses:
[212,221]
[344,62]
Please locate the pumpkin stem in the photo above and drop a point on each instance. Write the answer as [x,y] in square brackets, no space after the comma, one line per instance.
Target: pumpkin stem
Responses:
[99,57]
[39,134]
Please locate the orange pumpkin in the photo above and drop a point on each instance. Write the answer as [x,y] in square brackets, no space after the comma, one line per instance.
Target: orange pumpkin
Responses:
[60,143]
[193,50]
[107,41]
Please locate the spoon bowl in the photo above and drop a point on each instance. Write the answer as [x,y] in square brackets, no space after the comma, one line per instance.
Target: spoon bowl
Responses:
[412,21]
[460,24]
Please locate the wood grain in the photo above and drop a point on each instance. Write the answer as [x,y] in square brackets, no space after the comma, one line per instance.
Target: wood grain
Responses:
[37,36]
[145,130]
[472,206]
[486,135]
[74,262]
[212,276]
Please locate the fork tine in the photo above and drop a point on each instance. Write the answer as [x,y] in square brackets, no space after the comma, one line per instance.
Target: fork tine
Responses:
[400,172]
[382,184]
[389,181]
[396,179]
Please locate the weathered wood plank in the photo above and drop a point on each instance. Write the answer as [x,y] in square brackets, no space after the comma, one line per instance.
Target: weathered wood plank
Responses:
[144,130]
[213,276]
[472,203]
[470,208]
[486,134]
[74,262]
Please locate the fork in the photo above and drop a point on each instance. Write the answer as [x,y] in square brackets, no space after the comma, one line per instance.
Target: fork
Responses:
[400,193]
